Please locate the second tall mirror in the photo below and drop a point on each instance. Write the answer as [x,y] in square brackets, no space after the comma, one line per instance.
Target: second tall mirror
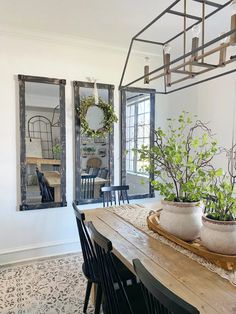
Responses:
[93,152]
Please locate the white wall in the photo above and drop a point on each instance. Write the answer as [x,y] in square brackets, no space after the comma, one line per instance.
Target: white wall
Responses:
[50,231]
[213,102]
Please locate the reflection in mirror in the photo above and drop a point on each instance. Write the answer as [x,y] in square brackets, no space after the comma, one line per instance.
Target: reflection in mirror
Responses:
[94,155]
[42,150]
[95,117]
[137,124]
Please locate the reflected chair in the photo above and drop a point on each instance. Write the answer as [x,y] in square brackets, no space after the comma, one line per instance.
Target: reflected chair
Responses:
[46,192]
[121,297]
[103,173]
[158,298]
[87,186]
[89,266]
[94,171]
[115,194]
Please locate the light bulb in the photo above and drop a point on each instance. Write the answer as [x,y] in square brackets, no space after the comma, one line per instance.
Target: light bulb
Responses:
[223,40]
[196,31]
[147,61]
[167,48]
[233,7]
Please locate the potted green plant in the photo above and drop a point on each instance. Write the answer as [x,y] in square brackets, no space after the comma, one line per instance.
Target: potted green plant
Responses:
[180,161]
[56,151]
[218,232]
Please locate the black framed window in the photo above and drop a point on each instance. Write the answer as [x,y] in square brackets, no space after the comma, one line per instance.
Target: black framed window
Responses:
[137,123]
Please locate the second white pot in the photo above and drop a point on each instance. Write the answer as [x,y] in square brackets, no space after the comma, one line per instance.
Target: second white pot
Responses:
[184,220]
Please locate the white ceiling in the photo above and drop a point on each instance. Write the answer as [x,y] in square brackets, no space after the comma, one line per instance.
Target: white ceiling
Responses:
[110,21]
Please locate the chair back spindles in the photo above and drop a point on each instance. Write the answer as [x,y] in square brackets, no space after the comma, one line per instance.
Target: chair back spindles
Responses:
[158,298]
[113,195]
[109,275]
[87,186]
[86,243]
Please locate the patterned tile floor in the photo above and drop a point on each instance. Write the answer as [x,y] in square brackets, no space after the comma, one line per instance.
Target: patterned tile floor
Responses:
[53,285]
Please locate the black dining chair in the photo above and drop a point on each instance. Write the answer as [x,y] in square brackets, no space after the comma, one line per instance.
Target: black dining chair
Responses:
[87,186]
[47,193]
[119,297]
[115,195]
[160,299]
[90,268]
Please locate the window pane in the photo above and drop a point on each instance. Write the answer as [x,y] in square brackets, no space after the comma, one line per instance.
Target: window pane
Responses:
[141,107]
[141,120]
[140,131]
[147,118]
[132,110]
[127,111]
[147,105]
[131,132]
[131,144]
[146,131]
[146,141]
[131,121]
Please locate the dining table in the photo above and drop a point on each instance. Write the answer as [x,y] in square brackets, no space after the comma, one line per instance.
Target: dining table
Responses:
[196,284]
[38,161]
[53,179]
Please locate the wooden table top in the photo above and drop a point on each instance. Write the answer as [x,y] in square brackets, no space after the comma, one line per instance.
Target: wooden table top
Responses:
[194,283]
[42,161]
[53,178]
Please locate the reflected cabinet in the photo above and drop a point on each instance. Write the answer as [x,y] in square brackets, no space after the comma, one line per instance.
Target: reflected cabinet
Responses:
[93,144]
[43,144]
[137,125]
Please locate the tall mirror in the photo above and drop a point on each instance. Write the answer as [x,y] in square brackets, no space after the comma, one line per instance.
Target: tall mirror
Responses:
[138,122]
[42,128]
[93,153]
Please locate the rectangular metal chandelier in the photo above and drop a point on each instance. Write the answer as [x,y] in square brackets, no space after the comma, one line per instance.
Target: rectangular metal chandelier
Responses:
[190,64]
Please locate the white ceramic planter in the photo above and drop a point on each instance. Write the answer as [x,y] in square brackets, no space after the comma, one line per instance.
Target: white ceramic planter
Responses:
[219,236]
[183,220]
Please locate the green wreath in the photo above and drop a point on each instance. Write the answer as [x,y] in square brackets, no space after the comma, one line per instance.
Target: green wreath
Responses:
[109,117]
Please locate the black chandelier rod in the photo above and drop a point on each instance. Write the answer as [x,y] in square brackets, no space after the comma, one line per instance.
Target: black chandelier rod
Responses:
[199,82]
[182,57]
[213,4]
[149,41]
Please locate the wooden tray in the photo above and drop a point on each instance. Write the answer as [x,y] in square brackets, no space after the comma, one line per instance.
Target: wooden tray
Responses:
[227,262]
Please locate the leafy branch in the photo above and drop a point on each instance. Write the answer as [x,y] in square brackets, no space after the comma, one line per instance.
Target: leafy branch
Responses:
[181,159]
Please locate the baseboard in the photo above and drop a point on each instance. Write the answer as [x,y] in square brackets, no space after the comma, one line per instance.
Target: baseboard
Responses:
[21,254]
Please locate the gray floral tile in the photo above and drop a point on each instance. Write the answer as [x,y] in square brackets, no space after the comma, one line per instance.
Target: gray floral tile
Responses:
[54,285]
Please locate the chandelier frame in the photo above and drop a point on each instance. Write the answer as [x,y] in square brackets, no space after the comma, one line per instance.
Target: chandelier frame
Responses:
[194,58]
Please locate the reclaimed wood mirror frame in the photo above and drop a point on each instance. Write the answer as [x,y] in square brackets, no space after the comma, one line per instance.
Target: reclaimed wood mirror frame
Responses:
[23,79]
[78,86]
[150,192]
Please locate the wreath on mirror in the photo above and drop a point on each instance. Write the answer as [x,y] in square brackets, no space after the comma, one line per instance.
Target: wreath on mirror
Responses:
[109,117]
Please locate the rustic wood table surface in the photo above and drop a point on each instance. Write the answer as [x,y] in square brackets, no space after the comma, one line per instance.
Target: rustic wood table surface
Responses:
[191,281]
